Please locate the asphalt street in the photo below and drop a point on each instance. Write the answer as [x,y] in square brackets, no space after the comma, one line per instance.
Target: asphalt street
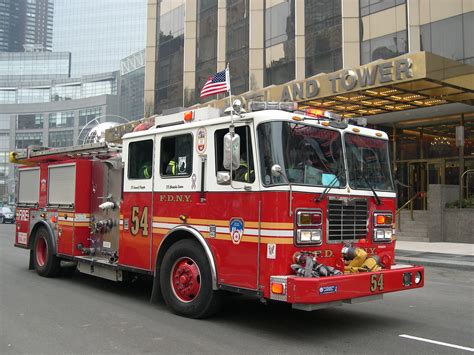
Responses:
[81,314]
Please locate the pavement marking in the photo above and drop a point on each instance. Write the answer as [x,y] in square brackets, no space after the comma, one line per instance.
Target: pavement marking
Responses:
[437,342]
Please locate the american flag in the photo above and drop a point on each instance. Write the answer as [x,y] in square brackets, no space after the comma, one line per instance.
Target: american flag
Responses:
[216,84]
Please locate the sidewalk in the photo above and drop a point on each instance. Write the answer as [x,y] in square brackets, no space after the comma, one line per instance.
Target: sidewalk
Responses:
[449,255]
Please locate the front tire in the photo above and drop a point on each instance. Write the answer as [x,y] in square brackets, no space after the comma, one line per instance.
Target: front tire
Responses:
[2,220]
[46,263]
[186,281]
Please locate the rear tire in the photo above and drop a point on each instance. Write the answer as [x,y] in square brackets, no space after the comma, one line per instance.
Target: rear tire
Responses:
[186,281]
[46,263]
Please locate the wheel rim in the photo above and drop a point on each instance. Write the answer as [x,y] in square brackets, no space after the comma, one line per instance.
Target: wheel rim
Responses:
[185,279]
[41,251]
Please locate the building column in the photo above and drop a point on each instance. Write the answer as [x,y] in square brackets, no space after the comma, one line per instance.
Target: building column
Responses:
[300,53]
[413,25]
[221,34]
[151,56]
[256,44]
[350,34]
[189,65]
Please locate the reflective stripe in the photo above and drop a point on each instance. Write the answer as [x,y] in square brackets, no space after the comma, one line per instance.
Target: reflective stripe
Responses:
[172,165]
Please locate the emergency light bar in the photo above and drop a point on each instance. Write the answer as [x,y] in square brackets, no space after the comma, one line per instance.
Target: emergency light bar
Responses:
[263,105]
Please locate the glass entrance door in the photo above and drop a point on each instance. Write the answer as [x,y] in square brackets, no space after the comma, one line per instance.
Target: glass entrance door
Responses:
[435,172]
[418,178]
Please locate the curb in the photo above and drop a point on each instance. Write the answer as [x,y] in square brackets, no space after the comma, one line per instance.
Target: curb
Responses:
[459,265]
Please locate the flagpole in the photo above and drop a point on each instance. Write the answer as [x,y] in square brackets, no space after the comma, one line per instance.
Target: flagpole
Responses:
[227,78]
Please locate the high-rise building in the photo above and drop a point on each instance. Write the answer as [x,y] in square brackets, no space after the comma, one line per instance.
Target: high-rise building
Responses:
[339,55]
[26,25]
[98,34]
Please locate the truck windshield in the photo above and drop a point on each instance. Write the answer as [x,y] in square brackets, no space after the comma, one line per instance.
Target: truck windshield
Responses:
[308,155]
[368,163]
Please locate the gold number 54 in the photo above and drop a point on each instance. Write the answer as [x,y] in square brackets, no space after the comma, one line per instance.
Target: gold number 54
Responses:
[139,221]
[376,282]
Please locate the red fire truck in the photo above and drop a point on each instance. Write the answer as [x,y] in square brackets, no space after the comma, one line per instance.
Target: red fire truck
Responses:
[291,206]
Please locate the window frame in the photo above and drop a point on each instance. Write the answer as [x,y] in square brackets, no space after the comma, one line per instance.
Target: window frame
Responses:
[163,175]
[130,155]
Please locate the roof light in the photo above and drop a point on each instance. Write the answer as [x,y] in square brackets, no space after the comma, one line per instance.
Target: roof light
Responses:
[188,116]
[312,112]
[297,118]
[263,105]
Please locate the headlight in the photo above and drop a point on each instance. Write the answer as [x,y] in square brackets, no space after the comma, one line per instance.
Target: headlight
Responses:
[308,236]
[383,235]
[418,278]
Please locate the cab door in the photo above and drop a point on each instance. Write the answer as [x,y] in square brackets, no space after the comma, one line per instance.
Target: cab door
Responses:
[136,225]
[233,211]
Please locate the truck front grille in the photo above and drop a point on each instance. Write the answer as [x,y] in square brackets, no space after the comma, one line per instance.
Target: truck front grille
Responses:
[347,219]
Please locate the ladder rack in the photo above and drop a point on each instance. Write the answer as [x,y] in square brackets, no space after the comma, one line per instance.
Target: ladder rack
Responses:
[90,150]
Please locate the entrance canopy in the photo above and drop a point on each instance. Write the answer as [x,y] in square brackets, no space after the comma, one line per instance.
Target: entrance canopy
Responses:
[406,82]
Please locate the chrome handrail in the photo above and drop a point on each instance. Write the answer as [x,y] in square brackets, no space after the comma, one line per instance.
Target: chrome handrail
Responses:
[409,202]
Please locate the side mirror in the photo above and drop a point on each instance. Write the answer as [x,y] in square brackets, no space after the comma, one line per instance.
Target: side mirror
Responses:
[223,178]
[276,170]
[231,151]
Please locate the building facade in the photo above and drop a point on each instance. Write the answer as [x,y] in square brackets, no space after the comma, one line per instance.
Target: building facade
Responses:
[26,25]
[283,43]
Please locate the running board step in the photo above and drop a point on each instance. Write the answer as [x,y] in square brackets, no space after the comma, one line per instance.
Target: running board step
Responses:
[109,273]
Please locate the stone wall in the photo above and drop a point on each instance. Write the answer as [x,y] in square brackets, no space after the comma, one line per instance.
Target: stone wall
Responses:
[455,225]
[458,225]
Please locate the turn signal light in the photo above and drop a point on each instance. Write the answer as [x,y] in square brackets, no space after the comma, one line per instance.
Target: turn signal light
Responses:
[383,219]
[278,288]
[309,218]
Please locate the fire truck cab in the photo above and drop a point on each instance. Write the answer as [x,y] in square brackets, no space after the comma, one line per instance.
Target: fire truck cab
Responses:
[296,207]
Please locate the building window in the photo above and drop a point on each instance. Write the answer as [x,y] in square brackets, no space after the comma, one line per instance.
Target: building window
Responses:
[88,115]
[24,140]
[7,96]
[61,139]
[4,142]
[176,156]
[61,119]
[450,38]
[237,44]
[30,121]
[169,73]
[368,7]
[206,44]
[323,36]
[140,159]
[280,43]
[384,47]
[4,121]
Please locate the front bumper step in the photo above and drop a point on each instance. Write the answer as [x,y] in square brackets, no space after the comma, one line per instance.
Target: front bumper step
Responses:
[316,293]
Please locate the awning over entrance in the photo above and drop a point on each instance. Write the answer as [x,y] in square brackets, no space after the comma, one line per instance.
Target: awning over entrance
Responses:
[406,82]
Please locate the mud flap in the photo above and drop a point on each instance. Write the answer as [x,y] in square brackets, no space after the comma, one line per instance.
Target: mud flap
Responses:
[156,296]
[31,264]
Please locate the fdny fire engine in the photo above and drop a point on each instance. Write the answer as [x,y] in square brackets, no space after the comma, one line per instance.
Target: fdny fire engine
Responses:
[285,205]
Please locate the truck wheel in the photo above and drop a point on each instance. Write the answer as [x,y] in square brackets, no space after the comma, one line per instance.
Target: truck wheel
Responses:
[186,282]
[46,263]
[2,220]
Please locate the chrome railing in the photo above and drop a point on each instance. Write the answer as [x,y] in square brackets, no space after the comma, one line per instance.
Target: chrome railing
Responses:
[409,204]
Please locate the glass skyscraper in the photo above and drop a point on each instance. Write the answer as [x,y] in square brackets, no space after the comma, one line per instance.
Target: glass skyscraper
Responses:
[26,25]
[98,33]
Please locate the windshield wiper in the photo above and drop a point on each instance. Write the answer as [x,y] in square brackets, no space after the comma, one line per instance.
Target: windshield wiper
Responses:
[377,199]
[330,186]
